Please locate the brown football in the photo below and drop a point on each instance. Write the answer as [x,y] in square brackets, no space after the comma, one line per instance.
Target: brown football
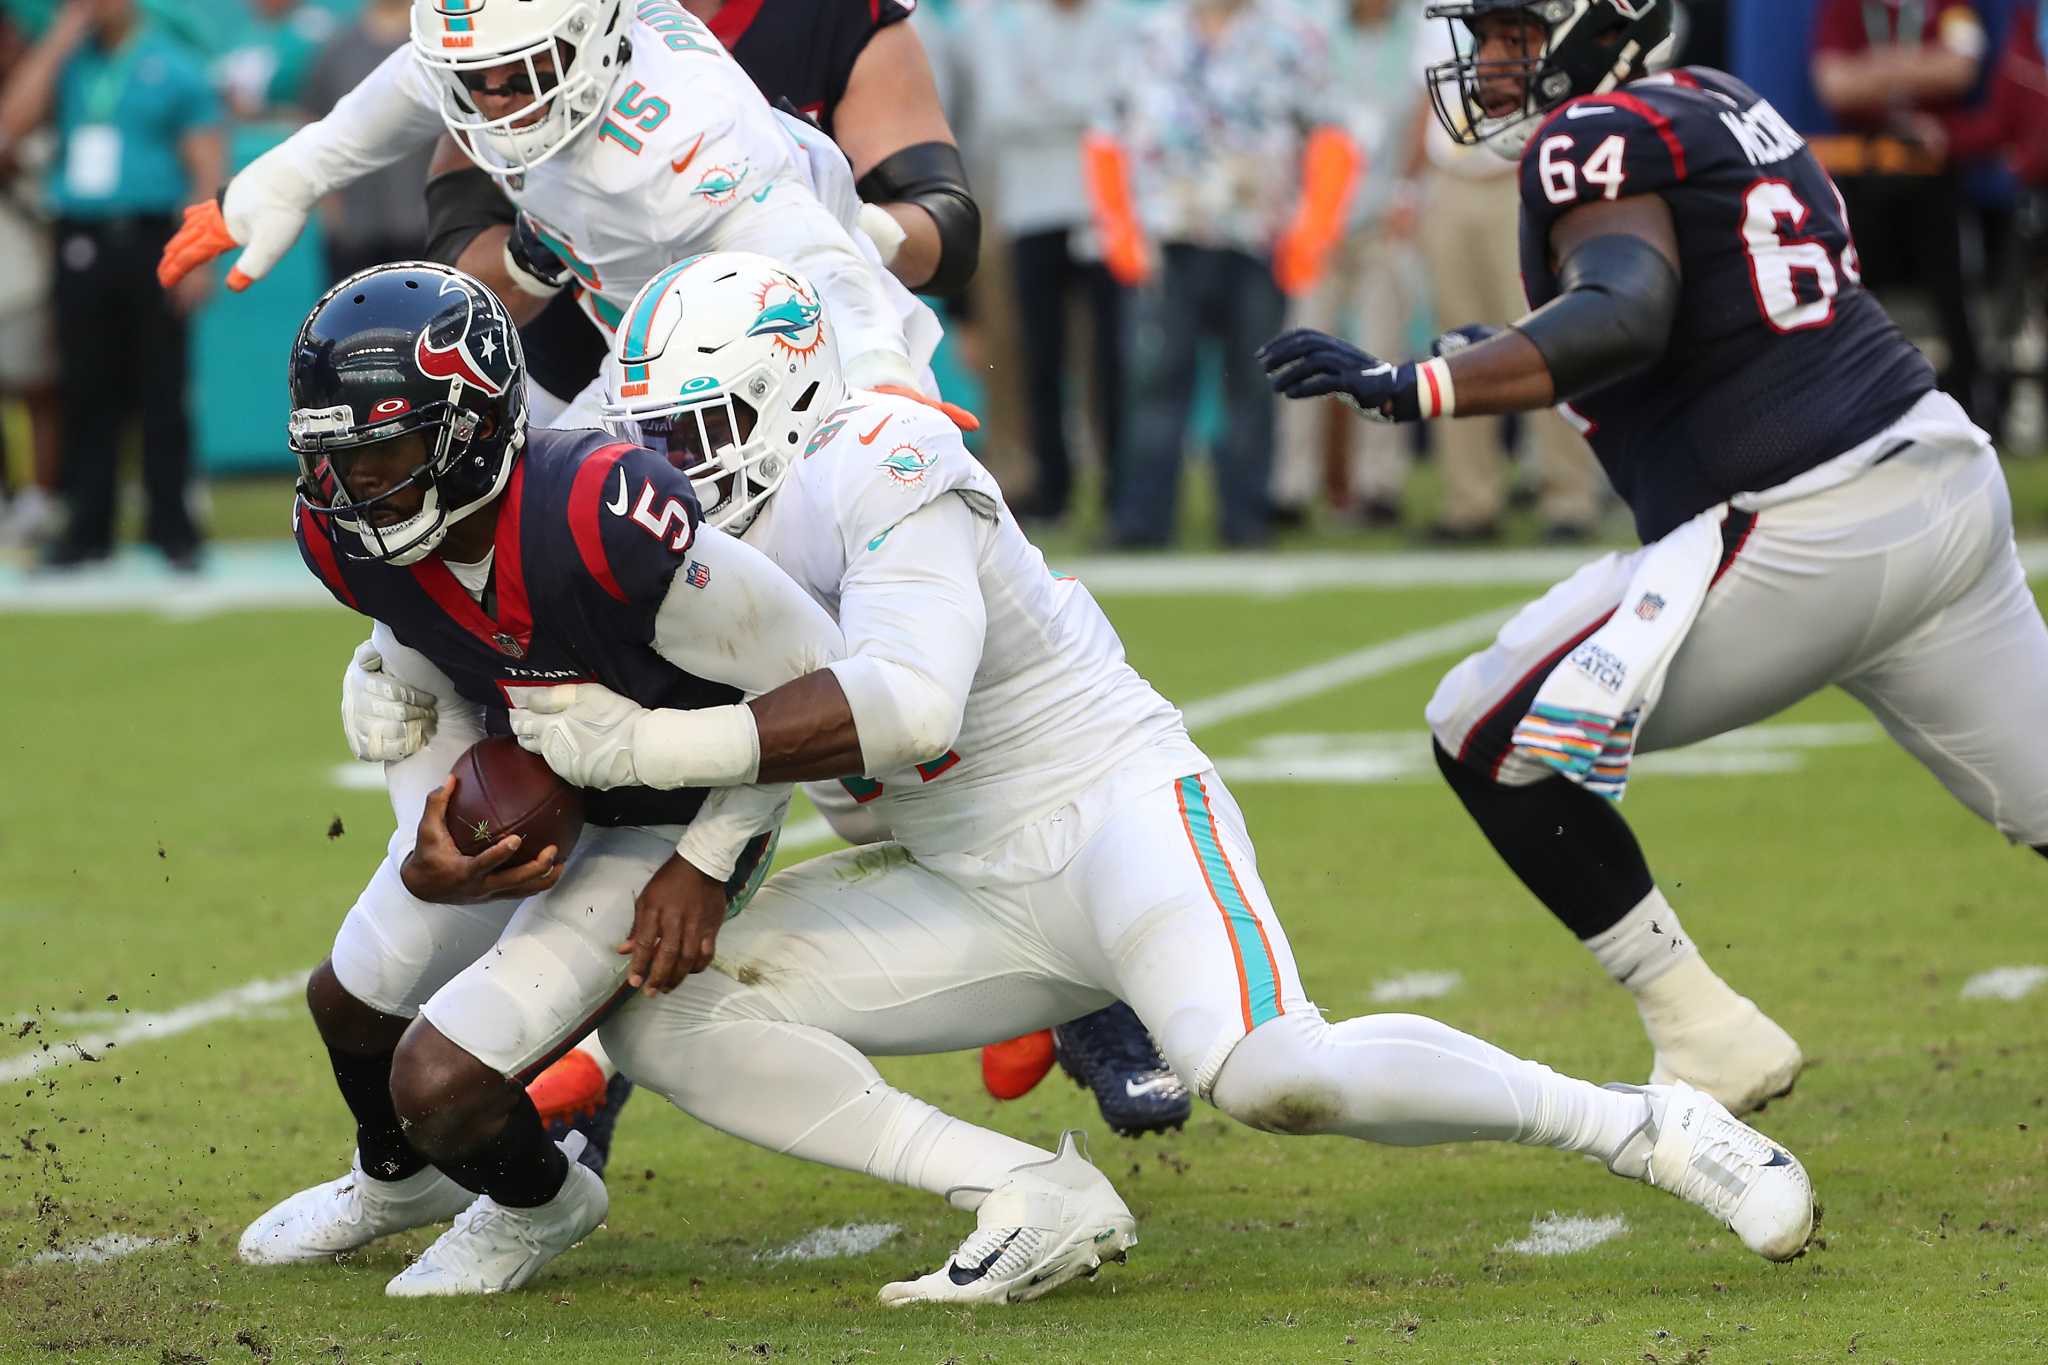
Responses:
[501,789]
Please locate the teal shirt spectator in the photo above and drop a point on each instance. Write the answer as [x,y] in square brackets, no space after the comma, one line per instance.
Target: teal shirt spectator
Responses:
[120,117]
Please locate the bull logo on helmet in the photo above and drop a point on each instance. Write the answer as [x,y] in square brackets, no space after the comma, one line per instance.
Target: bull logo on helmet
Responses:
[453,360]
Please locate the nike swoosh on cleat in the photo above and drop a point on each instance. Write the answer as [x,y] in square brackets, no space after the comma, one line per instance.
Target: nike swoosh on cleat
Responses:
[1140,1089]
[969,1275]
[618,505]
[1779,1157]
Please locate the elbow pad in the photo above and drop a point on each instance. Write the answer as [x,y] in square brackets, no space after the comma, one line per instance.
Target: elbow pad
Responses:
[1612,319]
[931,176]
[460,204]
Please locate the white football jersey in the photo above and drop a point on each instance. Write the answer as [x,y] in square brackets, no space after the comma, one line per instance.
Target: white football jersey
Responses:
[1055,714]
[687,158]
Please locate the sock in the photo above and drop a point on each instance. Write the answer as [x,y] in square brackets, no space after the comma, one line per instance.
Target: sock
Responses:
[1408,1081]
[1644,944]
[518,1167]
[1570,847]
[594,1050]
[381,1147]
[830,1104]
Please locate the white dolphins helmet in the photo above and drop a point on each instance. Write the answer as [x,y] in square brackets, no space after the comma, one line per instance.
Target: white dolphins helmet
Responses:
[494,43]
[726,362]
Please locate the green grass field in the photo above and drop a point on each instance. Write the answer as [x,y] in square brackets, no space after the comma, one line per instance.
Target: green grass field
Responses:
[168,833]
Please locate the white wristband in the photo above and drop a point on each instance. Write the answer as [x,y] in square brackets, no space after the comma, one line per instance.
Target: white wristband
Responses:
[717,746]
[1435,393]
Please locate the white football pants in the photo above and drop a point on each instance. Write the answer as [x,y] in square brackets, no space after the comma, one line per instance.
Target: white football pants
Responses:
[867,951]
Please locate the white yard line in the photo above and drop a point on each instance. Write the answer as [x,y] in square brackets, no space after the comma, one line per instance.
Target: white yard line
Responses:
[1415,986]
[2005,983]
[1557,1235]
[229,1004]
[829,1244]
[249,575]
[100,1250]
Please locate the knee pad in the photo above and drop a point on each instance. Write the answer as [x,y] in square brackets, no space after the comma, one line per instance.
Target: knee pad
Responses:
[1277,1079]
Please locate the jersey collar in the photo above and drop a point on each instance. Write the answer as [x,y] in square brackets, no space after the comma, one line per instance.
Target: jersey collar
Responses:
[511,632]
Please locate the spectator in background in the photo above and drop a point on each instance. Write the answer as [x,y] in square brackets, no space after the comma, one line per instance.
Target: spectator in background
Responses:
[137,136]
[28,365]
[2012,123]
[1375,284]
[383,216]
[1036,69]
[1881,67]
[1198,183]
[266,76]
[1470,206]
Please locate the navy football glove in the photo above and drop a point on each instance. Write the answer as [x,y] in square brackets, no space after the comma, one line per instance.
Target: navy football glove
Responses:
[531,263]
[1309,364]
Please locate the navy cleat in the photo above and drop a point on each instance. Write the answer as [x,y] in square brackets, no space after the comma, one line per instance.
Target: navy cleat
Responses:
[595,1124]
[1110,1053]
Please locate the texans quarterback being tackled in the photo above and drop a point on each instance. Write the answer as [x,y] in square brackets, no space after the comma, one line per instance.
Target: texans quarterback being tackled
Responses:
[1812,509]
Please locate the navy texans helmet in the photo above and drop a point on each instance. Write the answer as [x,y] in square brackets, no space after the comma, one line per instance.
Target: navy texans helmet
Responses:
[407,347]
[1587,47]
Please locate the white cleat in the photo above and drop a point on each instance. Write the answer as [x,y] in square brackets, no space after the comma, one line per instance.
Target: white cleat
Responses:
[1712,1039]
[493,1249]
[341,1215]
[1692,1147]
[1049,1222]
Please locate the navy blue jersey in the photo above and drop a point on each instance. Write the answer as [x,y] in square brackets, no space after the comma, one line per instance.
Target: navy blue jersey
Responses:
[1779,360]
[590,534]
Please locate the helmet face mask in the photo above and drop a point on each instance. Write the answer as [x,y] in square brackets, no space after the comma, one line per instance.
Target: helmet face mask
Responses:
[726,364]
[416,368]
[1568,48]
[562,54]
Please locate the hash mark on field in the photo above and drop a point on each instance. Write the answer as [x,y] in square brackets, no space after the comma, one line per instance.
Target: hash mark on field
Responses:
[1415,986]
[229,1004]
[2005,983]
[829,1244]
[1557,1235]
[100,1250]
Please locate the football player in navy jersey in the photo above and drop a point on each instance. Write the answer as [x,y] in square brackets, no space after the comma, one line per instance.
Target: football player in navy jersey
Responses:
[1813,509]
[494,557]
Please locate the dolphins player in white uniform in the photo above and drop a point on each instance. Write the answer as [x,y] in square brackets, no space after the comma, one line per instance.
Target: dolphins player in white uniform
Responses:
[627,139]
[1060,842]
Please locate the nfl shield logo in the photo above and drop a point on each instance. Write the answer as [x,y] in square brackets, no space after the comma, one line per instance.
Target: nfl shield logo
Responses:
[1649,605]
[698,574]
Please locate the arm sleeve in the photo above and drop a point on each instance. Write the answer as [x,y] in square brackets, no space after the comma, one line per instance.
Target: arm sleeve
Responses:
[730,819]
[391,114]
[1598,148]
[458,723]
[914,619]
[736,619]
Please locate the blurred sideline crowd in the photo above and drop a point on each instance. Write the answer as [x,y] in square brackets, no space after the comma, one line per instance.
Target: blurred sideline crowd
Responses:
[1164,183]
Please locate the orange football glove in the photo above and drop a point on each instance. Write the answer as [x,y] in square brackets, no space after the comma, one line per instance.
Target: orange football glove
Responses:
[1330,168]
[572,1088]
[203,236]
[1105,172]
[1011,1069]
[960,416]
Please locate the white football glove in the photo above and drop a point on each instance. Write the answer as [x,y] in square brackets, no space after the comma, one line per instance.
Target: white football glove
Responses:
[584,730]
[883,230]
[383,719]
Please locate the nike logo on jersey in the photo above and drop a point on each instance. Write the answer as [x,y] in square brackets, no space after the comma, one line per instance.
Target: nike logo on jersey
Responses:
[1140,1089]
[876,543]
[960,1274]
[1588,110]
[869,439]
[758,195]
[617,506]
[679,166]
